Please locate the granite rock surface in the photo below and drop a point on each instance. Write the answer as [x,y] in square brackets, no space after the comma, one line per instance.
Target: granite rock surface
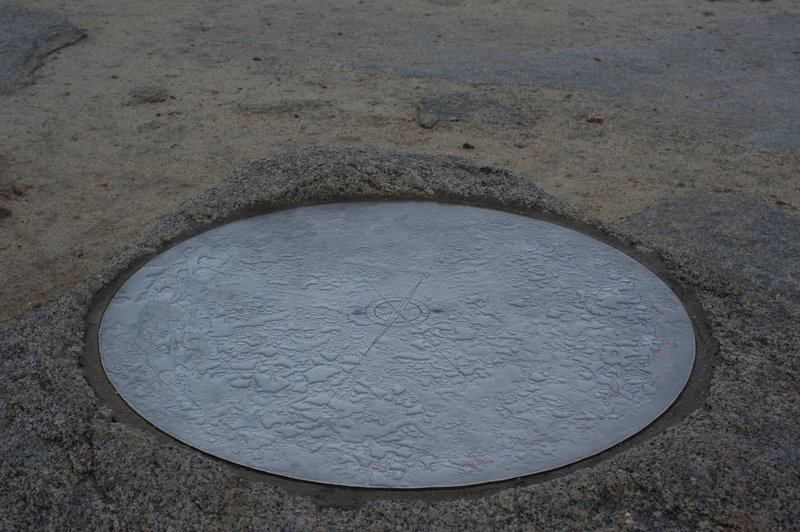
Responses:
[68,459]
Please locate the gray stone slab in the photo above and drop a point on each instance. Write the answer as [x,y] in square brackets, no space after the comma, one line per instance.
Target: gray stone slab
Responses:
[777,140]
[477,109]
[737,238]
[148,94]
[71,457]
[26,37]
[740,75]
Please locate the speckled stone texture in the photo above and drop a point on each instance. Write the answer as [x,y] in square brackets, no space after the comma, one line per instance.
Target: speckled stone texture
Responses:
[67,460]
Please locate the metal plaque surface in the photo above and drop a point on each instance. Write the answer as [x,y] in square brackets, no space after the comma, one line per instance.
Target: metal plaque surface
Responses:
[402,345]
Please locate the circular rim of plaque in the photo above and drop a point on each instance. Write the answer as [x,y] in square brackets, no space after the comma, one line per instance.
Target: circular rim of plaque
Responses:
[416,385]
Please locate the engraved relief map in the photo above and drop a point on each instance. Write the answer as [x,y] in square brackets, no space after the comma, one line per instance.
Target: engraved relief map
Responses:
[400,345]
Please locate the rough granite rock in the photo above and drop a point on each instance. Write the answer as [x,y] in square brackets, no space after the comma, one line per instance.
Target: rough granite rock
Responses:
[26,37]
[753,249]
[68,460]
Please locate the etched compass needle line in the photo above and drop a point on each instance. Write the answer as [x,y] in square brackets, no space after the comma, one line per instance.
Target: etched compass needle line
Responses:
[352,370]
[383,330]
[424,275]
[365,280]
[447,359]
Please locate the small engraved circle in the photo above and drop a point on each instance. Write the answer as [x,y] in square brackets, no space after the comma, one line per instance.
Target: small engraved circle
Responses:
[411,312]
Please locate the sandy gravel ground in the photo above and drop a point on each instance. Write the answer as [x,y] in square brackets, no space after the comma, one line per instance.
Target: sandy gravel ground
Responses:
[623,104]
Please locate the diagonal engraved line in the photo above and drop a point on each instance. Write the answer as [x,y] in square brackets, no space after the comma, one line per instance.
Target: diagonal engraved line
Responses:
[350,373]
[366,281]
[388,301]
[444,357]
[403,307]
[404,304]
[406,319]
[383,330]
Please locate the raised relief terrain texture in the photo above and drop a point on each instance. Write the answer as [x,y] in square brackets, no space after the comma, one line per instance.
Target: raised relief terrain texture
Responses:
[397,344]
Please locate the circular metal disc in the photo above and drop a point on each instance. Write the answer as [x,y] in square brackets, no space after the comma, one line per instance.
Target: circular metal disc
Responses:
[403,345]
